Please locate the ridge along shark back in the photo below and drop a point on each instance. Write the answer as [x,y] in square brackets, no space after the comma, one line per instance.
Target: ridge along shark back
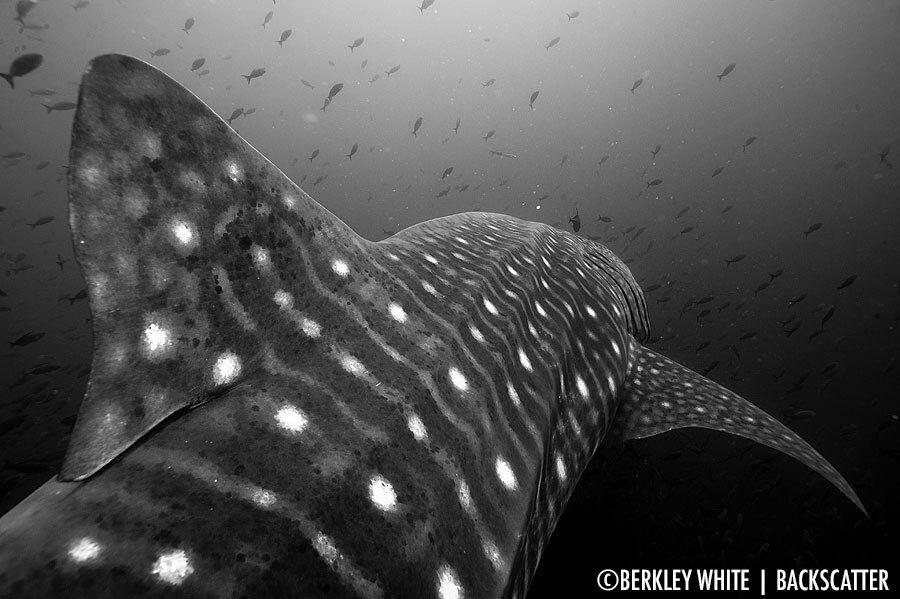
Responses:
[278,407]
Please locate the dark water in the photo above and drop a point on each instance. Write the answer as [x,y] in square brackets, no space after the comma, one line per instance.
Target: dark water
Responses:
[815,83]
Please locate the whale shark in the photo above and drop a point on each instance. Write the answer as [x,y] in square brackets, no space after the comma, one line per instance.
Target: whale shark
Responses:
[278,407]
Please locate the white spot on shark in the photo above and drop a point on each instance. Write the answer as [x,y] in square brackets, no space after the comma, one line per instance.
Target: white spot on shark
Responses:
[311,328]
[226,369]
[417,427]
[184,233]
[476,334]
[490,306]
[156,338]
[523,359]
[173,567]
[381,493]
[263,497]
[561,468]
[291,419]
[260,257]
[582,387]
[458,379]
[283,299]
[84,549]
[505,474]
[448,586]
[397,312]
[340,268]
[233,171]
[352,365]
[513,394]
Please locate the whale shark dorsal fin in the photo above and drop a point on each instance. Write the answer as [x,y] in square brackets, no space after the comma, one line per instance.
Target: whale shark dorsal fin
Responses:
[158,186]
[662,395]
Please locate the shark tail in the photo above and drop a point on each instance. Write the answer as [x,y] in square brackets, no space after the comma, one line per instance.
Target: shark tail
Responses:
[9,79]
[662,395]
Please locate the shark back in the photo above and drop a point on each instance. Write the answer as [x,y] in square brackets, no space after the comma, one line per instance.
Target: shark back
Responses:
[278,407]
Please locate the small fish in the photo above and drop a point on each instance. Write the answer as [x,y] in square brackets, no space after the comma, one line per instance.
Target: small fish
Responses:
[425,5]
[812,229]
[80,4]
[307,84]
[313,156]
[747,143]
[374,79]
[43,92]
[606,219]
[447,172]
[363,64]
[443,192]
[60,261]
[26,339]
[21,66]
[564,159]
[203,73]
[776,274]
[734,259]
[762,287]
[726,71]
[847,282]
[602,160]
[197,64]
[392,70]
[552,43]
[160,52]
[79,296]
[356,44]
[235,114]
[884,153]
[41,221]
[489,135]
[456,128]
[319,179]
[188,24]
[797,299]
[59,106]
[284,36]
[488,83]
[573,15]
[42,165]
[654,183]
[416,126]
[718,171]
[575,221]
[353,151]
[656,150]
[534,96]
[257,72]
[828,314]
[267,18]
[637,83]
[703,313]
[13,155]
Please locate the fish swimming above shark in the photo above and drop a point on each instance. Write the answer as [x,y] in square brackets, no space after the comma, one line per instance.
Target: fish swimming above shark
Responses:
[278,407]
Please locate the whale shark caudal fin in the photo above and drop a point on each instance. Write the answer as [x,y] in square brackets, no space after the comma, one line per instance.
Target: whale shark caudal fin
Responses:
[661,395]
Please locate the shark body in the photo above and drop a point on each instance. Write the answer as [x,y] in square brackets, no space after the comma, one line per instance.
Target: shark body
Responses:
[278,407]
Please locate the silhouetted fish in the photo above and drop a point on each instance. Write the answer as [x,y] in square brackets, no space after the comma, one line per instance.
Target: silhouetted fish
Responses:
[572,15]
[488,83]
[160,52]
[847,282]
[268,18]
[284,36]
[656,150]
[747,143]
[307,84]
[235,114]
[356,44]
[424,6]
[734,259]
[416,126]
[552,43]
[637,83]
[575,221]
[257,72]
[353,151]
[534,96]
[403,418]
[726,71]
[812,229]
[654,183]
[21,66]
[188,24]
[456,128]
[392,70]
[41,221]
[197,64]
[718,171]
[489,135]
[335,90]
[447,172]
[59,106]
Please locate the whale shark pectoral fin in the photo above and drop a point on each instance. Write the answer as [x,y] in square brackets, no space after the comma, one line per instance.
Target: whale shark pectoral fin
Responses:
[661,395]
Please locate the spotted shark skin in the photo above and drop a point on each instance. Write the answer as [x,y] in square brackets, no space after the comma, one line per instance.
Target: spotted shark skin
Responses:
[278,407]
